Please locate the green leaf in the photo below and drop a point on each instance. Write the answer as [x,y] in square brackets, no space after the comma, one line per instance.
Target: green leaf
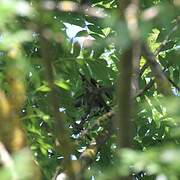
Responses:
[82,33]
[95,29]
[62,84]
[43,88]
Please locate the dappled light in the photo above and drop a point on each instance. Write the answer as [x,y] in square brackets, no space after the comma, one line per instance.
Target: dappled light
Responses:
[89,90]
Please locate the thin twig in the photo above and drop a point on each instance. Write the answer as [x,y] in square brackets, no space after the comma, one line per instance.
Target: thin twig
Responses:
[166,40]
[173,83]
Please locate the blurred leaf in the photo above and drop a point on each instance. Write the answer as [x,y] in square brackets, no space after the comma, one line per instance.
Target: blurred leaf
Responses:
[43,88]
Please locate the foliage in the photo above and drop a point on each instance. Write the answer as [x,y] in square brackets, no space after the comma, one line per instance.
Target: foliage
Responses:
[70,79]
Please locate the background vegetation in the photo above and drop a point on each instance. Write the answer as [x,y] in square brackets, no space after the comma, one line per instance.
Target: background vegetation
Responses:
[89,89]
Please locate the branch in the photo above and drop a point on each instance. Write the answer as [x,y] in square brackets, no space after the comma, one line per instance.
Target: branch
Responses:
[161,79]
[147,87]
[163,44]
[174,84]
[100,122]
[166,40]
[133,28]
[89,154]
[105,118]
[124,87]
[63,142]
[151,83]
